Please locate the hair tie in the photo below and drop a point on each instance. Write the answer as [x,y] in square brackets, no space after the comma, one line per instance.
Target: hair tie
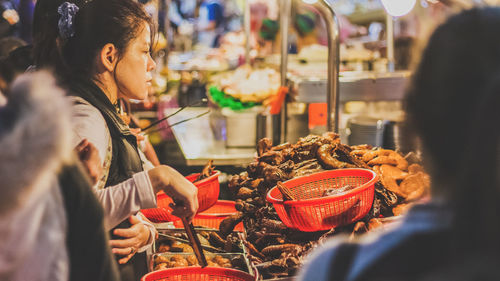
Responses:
[67,11]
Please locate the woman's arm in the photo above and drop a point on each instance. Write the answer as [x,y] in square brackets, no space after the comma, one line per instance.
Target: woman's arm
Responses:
[122,200]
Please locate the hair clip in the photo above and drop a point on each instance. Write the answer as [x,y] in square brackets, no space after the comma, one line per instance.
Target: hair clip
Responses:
[67,11]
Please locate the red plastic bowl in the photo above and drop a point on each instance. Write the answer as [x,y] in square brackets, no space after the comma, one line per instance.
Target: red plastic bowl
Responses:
[208,192]
[214,215]
[198,274]
[312,212]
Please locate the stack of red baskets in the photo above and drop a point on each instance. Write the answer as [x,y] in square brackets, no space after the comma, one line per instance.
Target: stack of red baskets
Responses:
[214,215]
[208,192]
[314,212]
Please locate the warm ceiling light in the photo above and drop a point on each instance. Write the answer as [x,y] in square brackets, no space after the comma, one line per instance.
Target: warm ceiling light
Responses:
[398,8]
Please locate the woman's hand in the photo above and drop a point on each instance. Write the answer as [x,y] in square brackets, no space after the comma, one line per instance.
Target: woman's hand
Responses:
[135,237]
[89,156]
[182,191]
[137,133]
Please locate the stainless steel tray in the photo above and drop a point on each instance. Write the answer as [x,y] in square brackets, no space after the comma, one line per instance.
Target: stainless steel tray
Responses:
[246,264]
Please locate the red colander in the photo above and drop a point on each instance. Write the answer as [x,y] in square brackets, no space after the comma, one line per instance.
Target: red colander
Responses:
[198,274]
[208,192]
[312,212]
[214,215]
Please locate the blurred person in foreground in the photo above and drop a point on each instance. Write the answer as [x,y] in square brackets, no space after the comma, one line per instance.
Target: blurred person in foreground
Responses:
[51,224]
[453,107]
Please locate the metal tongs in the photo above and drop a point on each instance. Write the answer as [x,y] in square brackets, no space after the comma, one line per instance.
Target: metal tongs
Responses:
[145,129]
[195,243]
[205,247]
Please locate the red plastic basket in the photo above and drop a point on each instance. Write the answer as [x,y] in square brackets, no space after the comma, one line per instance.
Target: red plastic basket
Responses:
[311,212]
[198,274]
[214,215]
[208,192]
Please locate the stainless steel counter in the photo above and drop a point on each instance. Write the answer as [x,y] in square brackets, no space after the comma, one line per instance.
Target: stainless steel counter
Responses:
[199,143]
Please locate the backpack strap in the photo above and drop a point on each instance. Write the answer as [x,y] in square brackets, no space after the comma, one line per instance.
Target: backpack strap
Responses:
[341,263]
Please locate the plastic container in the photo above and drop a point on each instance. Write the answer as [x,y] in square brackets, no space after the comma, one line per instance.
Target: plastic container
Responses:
[241,127]
[366,130]
[198,274]
[214,215]
[312,212]
[208,192]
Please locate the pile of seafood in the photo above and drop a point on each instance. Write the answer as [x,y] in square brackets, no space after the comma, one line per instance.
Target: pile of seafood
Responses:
[278,251]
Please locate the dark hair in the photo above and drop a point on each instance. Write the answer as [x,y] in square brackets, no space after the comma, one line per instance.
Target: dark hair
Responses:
[9,44]
[97,23]
[454,106]
[13,65]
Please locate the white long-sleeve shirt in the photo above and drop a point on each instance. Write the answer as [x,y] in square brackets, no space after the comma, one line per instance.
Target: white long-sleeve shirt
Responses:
[127,198]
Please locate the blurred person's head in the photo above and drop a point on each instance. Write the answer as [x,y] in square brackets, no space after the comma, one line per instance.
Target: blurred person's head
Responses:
[453,105]
[35,138]
[13,65]
[9,44]
[97,40]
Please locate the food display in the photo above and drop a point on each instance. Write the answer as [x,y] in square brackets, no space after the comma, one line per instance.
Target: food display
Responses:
[172,250]
[267,243]
[203,60]
[277,250]
[172,260]
[250,85]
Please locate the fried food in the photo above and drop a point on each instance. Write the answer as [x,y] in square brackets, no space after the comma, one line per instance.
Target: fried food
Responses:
[415,168]
[401,209]
[161,259]
[191,260]
[391,184]
[374,223]
[383,160]
[163,248]
[367,157]
[161,266]
[326,157]
[391,171]
[415,185]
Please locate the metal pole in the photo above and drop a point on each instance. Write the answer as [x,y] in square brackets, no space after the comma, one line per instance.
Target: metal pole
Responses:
[246,24]
[333,31]
[285,12]
[390,43]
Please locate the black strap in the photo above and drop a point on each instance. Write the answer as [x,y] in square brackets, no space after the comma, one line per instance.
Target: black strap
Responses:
[341,262]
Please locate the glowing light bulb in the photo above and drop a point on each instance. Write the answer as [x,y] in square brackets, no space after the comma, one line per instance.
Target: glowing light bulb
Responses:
[398,8]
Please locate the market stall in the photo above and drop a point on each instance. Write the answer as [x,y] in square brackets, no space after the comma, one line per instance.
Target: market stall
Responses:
[356,180]
[326,188]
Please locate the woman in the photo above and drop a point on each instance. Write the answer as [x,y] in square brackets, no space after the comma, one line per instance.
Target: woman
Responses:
[452,106]
[101,51]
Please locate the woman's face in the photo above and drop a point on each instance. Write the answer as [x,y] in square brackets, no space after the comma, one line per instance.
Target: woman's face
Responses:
[133,71]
